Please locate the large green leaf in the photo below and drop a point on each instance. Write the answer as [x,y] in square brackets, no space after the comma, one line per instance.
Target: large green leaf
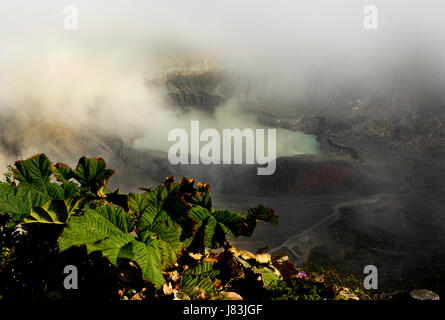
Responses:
[170,252]
[269,277]
[102,231]
[230,221]
[214,235]
[70,189]
[200,276]
[35,172]
[213,226]
[148,257]
[202,196]
[118,217]
[168,232]
[262,213]
[93,175]
[202,268]
[153,203]
[62,172]
[17,202]
[259,213]
[54,211]
[199,213]
[165,229]
[96,232]
[138,203]
[161,205]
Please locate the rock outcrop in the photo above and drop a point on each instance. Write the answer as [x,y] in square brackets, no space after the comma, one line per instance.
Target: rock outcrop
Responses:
[200,85]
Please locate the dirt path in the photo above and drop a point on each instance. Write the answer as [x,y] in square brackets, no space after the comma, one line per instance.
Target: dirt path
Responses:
[304,241]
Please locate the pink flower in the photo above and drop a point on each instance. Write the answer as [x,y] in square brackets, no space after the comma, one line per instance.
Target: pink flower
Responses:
[301,274]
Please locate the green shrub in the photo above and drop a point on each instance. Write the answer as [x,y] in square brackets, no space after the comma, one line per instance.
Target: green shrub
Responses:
[50,210]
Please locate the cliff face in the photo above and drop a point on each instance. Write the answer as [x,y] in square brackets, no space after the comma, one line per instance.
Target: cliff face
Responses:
[199,85]
[204,90]
[315,175]
[204,85]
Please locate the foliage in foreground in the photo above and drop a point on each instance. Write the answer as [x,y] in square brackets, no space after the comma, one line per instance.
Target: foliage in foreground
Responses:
[166,242]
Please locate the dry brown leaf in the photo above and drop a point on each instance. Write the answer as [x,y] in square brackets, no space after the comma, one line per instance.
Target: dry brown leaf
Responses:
[346,293]
[202,295]
[285,267]
[231,295]
[174,275]
[211,257]
[246,255]
[196,256]
[167,289]
[263,258]
[139,295]
[218,284]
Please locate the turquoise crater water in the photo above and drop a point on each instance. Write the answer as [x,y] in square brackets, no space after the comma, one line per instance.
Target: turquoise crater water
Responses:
[288,143]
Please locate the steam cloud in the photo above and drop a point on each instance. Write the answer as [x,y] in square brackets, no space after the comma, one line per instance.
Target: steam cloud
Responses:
[60,89]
